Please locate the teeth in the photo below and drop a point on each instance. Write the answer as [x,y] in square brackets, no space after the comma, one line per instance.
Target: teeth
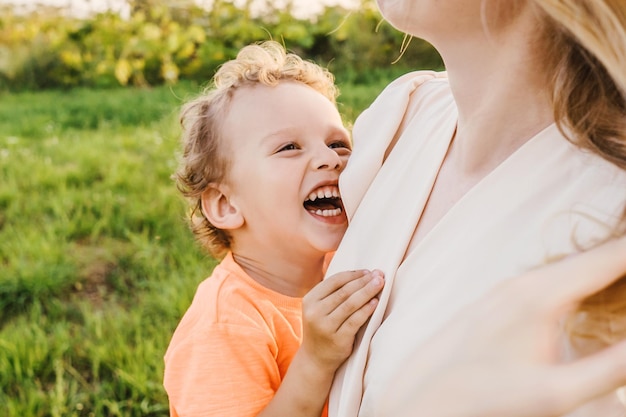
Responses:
[324,192]
[328,213]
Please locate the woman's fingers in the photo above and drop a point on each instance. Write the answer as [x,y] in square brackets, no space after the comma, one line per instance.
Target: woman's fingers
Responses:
[593,376]
[522,366]
[571,280]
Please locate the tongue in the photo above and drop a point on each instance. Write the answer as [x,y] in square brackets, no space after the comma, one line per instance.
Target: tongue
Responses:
[320,204]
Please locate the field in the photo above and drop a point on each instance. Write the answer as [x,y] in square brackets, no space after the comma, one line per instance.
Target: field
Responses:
[97,264]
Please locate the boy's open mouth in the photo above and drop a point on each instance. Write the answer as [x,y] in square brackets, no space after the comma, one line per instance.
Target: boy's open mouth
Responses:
[325,201]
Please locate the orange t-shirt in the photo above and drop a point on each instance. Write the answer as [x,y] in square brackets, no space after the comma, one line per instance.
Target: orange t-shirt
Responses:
[232,347]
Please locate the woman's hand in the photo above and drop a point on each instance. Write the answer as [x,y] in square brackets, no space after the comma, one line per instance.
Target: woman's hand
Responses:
[500,355]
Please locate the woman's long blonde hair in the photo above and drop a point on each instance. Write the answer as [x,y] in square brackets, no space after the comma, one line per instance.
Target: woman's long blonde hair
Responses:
[586,43]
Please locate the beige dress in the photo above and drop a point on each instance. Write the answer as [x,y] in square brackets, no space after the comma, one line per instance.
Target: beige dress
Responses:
[538,204]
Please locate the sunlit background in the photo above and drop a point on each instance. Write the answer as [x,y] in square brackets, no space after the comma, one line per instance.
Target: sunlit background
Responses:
[97,264]
[301,8]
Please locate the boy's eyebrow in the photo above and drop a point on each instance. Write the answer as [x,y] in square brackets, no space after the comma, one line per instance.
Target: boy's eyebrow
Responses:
[285,131]
[278,132]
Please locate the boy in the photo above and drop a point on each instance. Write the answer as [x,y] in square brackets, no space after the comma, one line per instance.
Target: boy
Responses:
[263,150]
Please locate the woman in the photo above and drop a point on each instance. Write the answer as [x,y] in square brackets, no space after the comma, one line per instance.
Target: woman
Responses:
[458,181]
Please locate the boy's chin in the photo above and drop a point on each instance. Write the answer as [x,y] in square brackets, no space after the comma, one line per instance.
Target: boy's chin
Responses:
[329,246]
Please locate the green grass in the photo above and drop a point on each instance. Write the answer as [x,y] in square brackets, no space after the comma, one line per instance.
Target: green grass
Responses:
[96,262]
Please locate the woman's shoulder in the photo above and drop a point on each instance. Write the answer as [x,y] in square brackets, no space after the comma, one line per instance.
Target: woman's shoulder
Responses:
[416,81]
[405,96]
[420,77]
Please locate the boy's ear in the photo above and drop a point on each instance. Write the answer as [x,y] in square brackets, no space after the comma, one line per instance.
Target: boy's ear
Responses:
[219,209]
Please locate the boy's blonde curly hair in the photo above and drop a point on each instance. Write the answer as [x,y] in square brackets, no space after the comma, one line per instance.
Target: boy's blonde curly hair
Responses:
[205,160]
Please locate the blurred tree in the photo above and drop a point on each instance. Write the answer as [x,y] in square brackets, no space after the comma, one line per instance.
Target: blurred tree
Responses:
[163,42]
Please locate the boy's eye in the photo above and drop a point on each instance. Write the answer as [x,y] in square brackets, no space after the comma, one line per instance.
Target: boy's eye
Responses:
[341,147]
[339,144]
[288,147]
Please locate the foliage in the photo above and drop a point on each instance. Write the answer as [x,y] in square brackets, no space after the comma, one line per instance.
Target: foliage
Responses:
[164,42]
[97,264]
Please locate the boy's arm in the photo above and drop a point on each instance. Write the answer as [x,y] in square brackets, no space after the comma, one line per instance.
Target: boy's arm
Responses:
[221,371]
[333,312]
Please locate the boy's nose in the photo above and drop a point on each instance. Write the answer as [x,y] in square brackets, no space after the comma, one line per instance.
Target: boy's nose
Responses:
[328,159]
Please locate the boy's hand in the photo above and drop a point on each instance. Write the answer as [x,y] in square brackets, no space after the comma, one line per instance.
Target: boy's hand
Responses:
[332,313]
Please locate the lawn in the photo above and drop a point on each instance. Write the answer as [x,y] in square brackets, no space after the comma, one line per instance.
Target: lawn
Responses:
[97,263]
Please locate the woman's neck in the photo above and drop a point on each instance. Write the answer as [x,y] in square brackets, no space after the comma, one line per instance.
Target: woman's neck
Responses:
[498,113]
[502,94]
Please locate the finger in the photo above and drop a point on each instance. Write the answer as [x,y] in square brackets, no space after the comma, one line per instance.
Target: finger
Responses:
[333,283]
[357,319]
[342,294]
[577,277]
[593,376]
[358,298]
[327,295]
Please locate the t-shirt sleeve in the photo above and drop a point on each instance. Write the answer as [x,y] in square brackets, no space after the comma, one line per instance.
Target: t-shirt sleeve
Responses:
[227,371]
